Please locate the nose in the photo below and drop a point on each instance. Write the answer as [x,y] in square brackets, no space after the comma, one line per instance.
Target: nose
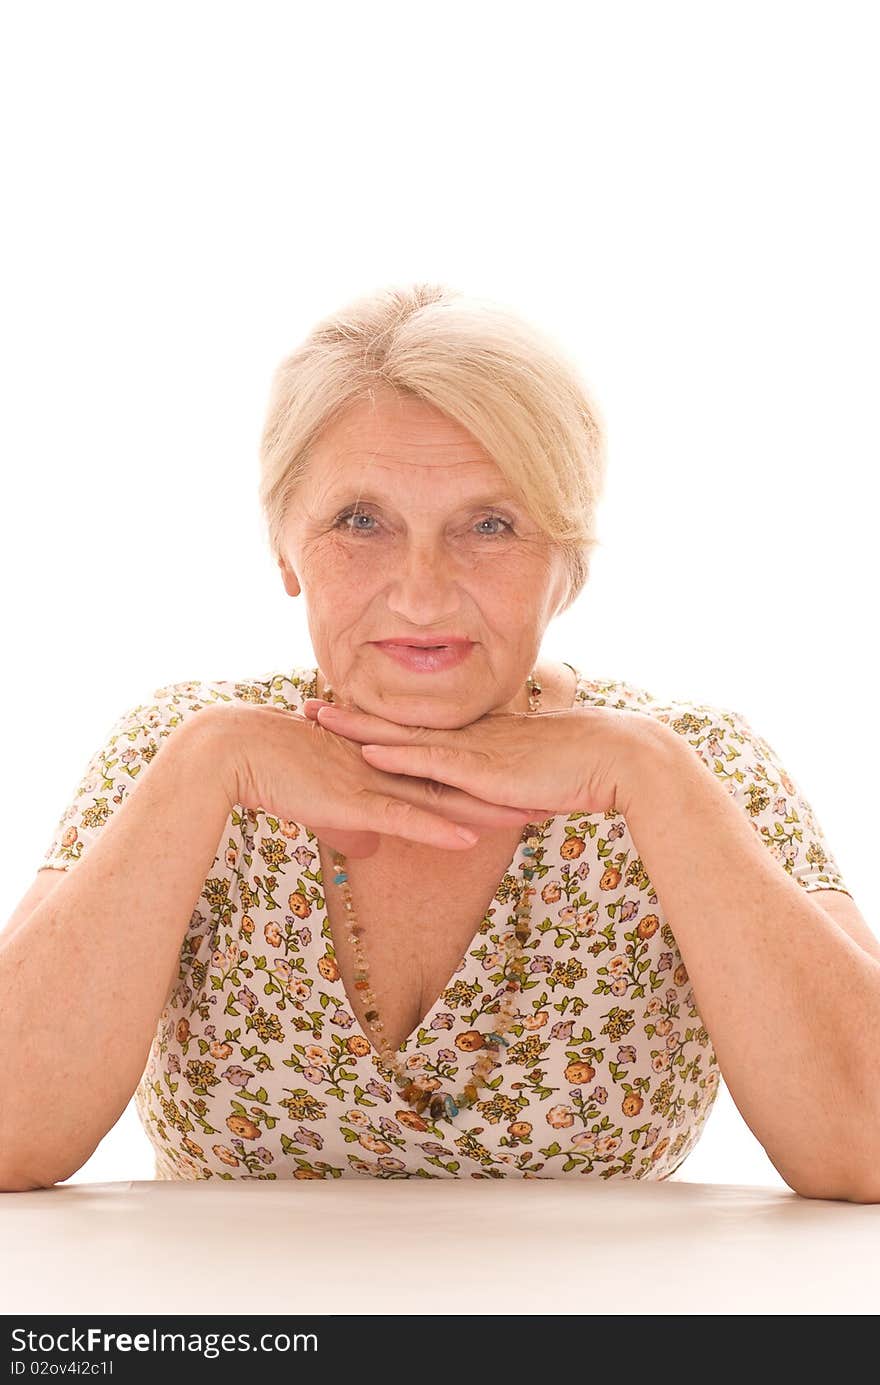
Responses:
[424,591]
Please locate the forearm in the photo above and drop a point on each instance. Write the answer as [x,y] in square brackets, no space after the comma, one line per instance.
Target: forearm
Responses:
[790,1001]
[83,979]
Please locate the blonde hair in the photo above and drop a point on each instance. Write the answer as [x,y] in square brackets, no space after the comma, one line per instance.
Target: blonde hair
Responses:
[509,385]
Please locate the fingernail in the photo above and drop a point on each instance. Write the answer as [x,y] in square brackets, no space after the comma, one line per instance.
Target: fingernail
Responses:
[467,835]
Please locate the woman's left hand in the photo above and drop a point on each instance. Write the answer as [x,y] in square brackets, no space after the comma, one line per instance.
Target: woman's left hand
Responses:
[544,763]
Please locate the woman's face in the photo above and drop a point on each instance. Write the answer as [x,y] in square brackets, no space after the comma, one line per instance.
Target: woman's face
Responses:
[404,528]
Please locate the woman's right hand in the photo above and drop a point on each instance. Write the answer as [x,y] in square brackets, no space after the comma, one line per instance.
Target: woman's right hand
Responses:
[287,765]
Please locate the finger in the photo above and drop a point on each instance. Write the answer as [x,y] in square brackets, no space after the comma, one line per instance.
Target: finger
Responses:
[362,726]
[463,807]
[454,803]
[461,769]
[399,819]
[448,783]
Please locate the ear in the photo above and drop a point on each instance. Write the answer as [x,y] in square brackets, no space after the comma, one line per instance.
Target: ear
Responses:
[289,577]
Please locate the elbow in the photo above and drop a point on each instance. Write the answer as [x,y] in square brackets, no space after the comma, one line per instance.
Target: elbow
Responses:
[16,1177]
[21,1183]
[848,1173]
[864,1190]
[866,1195]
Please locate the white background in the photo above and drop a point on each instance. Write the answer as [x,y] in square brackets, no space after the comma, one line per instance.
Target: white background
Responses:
[685,195]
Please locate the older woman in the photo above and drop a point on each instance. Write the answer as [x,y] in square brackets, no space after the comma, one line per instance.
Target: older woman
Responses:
[436,905]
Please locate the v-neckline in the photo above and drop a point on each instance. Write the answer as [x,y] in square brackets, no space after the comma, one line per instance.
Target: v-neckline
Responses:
[337,985]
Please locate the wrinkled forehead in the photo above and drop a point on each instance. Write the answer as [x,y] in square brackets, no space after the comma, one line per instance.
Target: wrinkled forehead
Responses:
[399,443]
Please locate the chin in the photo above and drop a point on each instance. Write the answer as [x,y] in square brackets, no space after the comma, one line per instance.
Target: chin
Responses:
[410,709]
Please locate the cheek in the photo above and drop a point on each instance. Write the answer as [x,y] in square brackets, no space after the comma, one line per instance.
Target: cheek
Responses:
[343,573]
[518,571]
[335,571]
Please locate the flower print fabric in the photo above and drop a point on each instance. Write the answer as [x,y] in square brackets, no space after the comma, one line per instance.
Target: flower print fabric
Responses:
[259,1069]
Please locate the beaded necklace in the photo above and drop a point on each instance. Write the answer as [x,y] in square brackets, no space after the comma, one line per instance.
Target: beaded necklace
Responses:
[424,1094]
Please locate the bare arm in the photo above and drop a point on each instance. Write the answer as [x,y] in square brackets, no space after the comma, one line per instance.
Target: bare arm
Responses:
[85,973]
[84,977]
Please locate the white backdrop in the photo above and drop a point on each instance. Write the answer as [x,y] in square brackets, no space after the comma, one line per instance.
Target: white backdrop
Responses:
[683,194]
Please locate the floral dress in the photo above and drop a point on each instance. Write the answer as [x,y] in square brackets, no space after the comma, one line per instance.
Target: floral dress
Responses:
[259,1069]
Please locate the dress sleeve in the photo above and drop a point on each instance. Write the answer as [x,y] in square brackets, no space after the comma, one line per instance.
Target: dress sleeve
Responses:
[127,750]
[773,801]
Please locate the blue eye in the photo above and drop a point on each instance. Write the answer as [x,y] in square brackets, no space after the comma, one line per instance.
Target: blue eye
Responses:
[353,514]
[495,519]
[343,521]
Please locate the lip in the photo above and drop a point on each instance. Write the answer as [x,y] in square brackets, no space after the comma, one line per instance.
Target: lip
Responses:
[426,641]
[419,657]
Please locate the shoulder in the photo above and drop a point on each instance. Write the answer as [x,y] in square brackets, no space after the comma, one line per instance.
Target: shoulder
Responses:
[717,733]
[176,701]
[142,727]
[684,715]
[747,764]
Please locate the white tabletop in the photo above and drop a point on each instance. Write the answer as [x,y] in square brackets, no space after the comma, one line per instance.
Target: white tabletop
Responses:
[435,1246]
